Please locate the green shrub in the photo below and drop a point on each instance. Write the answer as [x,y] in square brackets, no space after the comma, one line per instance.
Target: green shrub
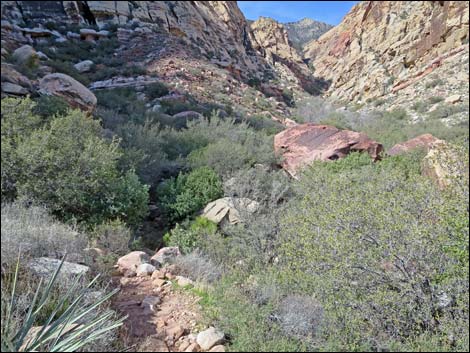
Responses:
[224,156]
[143,151]
[260,122]
[434,83]
[81,50]
[71,169]
[379,102]
[188,237]
[356,241]
[18,122]
[435,99]
[50,25]
[112,236]
[29,68]
[337,120]
[394,127]
[121,100]
[446,111]
[420,106]
[133,70]
[288,97]
[199,133]
[156,90]
[245,322]
[103,73]
[188,193]
[174,107]
[254,82]
[350,162]
[48,106]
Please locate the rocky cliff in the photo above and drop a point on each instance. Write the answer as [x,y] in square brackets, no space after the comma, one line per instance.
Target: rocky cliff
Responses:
[206,49]
[217,29]
[304,31]
[382,47]
[272,41]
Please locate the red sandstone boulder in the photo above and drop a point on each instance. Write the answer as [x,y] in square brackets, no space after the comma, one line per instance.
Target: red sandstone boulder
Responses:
[302,144]
[426,142]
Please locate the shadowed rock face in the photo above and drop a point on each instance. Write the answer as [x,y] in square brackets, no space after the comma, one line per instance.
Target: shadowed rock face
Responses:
[303,144]
[426,141]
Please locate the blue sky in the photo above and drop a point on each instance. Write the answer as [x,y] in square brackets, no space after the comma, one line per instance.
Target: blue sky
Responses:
[288,11]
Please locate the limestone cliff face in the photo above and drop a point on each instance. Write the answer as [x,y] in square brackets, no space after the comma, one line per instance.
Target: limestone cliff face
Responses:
[383,46]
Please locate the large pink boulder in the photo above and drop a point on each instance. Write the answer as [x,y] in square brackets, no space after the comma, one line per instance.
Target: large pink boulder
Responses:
[302,144]
[426,142]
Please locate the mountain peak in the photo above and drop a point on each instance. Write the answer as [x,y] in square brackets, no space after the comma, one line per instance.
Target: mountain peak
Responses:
[305,30]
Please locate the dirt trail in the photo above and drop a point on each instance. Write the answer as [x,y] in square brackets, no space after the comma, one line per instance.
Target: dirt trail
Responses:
[160,319]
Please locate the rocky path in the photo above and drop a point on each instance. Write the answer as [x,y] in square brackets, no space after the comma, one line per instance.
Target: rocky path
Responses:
[160,317]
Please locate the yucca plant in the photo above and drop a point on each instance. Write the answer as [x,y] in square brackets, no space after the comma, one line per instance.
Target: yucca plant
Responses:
[77,325]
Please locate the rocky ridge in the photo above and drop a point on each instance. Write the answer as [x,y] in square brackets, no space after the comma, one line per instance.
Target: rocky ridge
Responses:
[304,31]
[206,49]
[216,30]
[381,47]
[273,42]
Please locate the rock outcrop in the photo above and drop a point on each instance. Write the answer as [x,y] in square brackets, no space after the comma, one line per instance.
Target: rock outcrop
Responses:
[445,166]
[9,74]
[165,255]
[228,209]
[383,46]
[302,144]
[272,41]
[304,31]
[83,66]
[425,141]
[129,263]
[66,87]
[46,267]
[217,29]
[214,30]
[209,338]
[25,54]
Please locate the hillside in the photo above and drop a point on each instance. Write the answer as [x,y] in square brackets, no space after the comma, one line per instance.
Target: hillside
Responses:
[177,178]
[381,48]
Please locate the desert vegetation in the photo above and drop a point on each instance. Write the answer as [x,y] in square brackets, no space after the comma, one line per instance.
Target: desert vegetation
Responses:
[376,250]
[154,192]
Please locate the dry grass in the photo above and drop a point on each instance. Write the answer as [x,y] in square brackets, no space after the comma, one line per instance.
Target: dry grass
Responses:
[35,233]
